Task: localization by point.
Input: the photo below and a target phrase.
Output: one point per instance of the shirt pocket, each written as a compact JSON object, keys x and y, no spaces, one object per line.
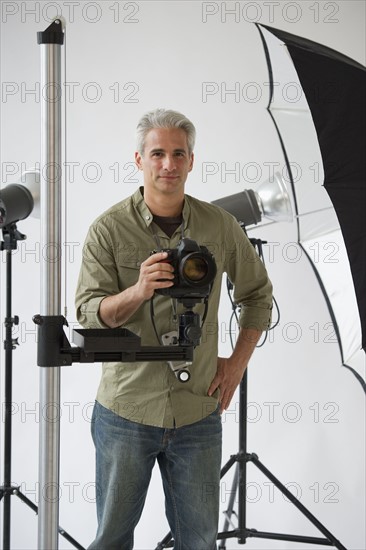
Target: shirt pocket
{"x":128,"y":263}
{"x":128,"y":274}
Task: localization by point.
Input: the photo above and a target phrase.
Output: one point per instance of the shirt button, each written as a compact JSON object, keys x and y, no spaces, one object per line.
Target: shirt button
{"x":147,"y":217}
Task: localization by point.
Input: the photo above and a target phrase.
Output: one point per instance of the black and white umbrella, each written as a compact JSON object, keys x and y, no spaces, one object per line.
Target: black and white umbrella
{"x":318,"y":105}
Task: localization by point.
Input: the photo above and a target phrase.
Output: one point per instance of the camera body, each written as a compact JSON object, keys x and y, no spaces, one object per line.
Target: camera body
{"x":194,"y":270}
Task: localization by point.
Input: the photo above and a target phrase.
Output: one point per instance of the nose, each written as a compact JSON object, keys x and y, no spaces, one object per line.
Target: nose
{"x":169,"y":163}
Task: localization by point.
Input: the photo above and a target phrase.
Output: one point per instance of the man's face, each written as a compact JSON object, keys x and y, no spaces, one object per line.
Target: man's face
{"x":166,"y":161}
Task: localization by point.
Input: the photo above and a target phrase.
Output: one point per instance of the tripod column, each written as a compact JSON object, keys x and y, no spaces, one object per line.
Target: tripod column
{"x":242,"y":465}
{"x":8,"y":344}
{"x":49,"y":441}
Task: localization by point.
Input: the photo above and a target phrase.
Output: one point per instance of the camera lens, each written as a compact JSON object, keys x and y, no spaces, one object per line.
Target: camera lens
{"x":195,"y":268}
{"x":194,"y":271}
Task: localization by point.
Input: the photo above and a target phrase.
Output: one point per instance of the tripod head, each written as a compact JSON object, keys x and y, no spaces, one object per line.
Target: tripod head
{"x":190,"y":330}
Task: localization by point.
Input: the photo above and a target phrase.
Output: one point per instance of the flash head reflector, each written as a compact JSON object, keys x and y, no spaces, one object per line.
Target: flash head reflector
{"x":16,"y":203}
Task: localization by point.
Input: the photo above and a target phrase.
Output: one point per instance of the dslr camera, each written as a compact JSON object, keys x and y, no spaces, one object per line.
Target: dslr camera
{"x":194,"y":270}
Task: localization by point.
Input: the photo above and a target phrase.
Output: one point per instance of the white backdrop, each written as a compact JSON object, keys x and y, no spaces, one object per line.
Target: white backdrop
{"x":306,"y":414}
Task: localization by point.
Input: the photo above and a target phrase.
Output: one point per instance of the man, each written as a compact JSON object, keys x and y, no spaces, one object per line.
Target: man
{"x":143,"y":412}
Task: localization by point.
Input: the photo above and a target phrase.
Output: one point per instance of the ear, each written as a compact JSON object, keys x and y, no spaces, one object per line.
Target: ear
{"x":138,"y":160}
{"x":191,"y":163}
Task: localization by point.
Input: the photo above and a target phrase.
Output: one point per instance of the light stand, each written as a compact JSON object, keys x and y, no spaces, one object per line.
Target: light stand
{"x":241,"y":460}
{"x":239,"y":484}
{"x":10,"y":236}
{"x":270,"y":200}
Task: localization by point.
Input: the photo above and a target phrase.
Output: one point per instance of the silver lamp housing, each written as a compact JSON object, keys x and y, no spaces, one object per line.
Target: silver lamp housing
{"x":270,"y":200}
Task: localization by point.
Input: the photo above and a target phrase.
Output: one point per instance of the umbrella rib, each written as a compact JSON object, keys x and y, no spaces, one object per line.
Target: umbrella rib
{"x":288,"y":110}
{"x":313,"y":212}
{"x":297,"y":216}
{"x":288,"y":166}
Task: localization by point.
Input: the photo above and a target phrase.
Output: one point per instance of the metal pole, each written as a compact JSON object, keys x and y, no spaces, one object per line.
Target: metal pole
{"x":49,"y":431}
{"x":242,"y":464}
{"x":8,"y":403}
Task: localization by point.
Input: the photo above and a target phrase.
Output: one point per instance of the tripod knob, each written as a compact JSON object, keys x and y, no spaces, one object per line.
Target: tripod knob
{"x":10,"y":344}
{"x":189,"y":329}
{"x":10,"y":321}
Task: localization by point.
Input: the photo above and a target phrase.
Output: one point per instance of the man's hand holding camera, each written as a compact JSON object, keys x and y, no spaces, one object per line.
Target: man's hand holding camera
{"x":155,"y":273}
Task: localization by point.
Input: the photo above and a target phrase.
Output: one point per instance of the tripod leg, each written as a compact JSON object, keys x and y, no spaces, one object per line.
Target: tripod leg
{"x":167,"y":542}
{"x":254,"y":458}
{"x":6,"y":522}
{"x":63,"y":533}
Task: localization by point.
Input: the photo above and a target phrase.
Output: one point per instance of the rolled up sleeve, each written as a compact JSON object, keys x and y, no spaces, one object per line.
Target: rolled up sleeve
{"x":252,"y":287}
{"x":97,"y":279}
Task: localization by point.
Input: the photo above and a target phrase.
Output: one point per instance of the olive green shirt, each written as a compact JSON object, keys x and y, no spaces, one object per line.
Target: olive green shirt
{"x":116,"y":245}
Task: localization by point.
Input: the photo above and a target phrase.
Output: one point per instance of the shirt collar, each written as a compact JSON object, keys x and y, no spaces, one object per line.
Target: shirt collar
{"x":146,"y":215}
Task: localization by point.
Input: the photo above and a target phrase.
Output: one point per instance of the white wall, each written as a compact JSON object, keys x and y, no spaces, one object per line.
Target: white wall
{"x":306,"y":416}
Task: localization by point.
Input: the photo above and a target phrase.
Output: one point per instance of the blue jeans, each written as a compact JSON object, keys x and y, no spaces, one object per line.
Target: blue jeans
{"x":189,"y":458}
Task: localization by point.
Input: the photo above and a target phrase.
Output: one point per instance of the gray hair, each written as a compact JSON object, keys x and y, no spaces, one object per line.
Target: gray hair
{"x":163,"y":118}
